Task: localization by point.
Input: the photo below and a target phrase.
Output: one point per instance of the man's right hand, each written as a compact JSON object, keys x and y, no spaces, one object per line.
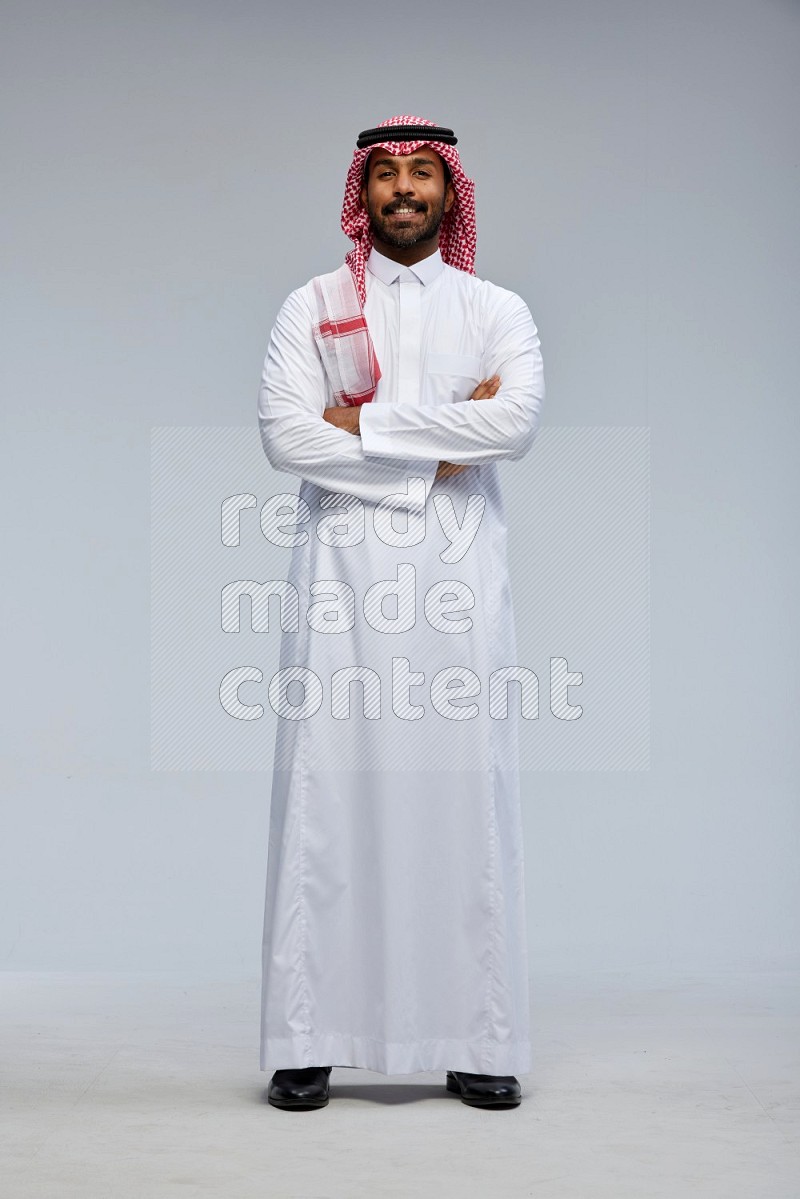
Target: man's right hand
{"x":486,"y":389}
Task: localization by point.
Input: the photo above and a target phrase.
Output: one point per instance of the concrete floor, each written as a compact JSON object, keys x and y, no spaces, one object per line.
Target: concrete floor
{"x":143,"y":1086}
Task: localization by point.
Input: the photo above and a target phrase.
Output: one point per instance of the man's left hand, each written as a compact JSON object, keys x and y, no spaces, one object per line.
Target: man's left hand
{"x":342,"y":417}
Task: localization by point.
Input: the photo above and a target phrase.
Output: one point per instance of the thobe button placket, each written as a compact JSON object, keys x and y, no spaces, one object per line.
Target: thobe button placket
{"x":410,"y":339}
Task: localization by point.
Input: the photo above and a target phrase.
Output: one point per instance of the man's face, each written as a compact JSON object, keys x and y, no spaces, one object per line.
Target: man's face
{"x":406,"y":197}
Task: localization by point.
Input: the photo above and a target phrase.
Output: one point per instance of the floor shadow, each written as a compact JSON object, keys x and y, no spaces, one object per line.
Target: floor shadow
{"x":388,"y":1094}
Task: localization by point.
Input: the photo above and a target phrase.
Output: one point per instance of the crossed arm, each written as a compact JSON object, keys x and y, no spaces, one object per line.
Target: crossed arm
{"x":349,"y":419}
{"x":394,"y":442}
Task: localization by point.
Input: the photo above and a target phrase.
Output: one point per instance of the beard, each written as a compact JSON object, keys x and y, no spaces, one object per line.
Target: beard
{"x":403,"y":236}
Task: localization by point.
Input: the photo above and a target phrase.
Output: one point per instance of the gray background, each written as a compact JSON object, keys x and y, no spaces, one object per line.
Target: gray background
{"x":172,"y":171}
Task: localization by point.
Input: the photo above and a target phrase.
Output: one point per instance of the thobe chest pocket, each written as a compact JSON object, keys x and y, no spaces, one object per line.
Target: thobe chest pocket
{"x":452,"y":376}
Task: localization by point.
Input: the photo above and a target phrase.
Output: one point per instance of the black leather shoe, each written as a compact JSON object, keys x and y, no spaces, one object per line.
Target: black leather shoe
{"x":485,"y":1090}
{"x":302,"y":1089}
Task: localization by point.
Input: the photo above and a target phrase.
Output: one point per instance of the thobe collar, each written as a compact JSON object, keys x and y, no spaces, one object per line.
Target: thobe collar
{"x":388,"y":271}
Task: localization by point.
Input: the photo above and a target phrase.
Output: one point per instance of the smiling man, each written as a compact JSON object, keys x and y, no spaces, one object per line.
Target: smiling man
{"x":394,"y":924}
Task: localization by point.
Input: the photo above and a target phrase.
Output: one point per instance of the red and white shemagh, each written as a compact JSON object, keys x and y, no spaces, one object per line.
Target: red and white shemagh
{"x":341,"y":329}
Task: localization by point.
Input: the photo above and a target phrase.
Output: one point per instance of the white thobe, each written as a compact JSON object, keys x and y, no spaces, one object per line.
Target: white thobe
{"x":394,"y":924}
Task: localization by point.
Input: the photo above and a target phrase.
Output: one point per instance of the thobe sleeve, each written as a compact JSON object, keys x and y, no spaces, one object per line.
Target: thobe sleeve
{"x":470,"y":432}
{"x":294,"y":435}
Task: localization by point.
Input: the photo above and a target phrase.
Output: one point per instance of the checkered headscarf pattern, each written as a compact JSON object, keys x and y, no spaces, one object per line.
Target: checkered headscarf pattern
{"x":457,"y":234}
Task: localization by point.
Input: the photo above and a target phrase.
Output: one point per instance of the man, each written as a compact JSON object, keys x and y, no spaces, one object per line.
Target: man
{"x":394,"y":930}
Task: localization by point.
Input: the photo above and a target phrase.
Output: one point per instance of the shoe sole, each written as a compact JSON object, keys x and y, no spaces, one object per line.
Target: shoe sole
{"x":301,"y":1105}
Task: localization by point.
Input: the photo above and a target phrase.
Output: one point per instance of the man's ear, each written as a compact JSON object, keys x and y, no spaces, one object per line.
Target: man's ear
{"x":449,"y":197}
{"x":363,"y":195}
